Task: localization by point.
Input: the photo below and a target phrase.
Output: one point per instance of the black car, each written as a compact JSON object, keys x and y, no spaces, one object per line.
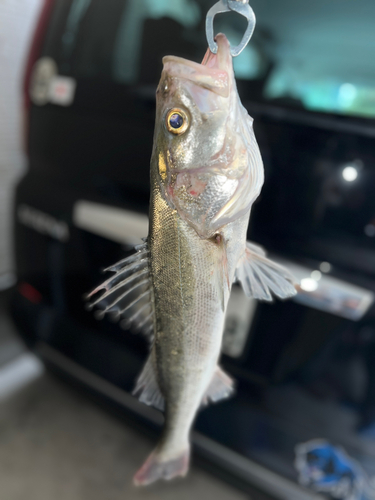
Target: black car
{"x":307,"y":79}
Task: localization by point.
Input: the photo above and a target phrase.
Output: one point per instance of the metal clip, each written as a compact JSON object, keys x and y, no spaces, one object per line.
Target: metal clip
{"x":243,"y":8}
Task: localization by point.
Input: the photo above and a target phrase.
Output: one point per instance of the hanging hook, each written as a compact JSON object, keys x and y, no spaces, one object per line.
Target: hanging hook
{"x":243,"y":8}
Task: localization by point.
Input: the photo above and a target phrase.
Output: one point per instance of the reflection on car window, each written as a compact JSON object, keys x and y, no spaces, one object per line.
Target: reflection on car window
{"x":128,"y":45}
{"x":76,"y":13}
{"x":322,"y":53}
{"x":313,"y":55}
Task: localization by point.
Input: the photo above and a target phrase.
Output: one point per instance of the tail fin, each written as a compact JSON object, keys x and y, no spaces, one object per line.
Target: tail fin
{"x":155,"y":468}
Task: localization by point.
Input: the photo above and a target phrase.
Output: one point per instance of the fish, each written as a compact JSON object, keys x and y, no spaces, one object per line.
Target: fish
{"x":206,"y":172}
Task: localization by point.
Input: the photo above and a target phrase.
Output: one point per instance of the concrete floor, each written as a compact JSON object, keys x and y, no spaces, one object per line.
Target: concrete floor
{"x":55,"y":444}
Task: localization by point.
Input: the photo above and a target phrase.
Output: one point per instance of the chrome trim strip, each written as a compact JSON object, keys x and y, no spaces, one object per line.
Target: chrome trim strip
{"x":116,"y":224}
{"x":245,"y":469}
{"x":326,"y":293}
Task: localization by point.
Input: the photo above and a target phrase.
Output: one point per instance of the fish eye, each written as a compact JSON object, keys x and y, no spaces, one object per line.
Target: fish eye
{"x":177,"y":121}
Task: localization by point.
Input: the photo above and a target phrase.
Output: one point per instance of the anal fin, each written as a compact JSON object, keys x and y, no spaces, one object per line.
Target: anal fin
{"x":221,"y":387}
{"x":147,"y":388}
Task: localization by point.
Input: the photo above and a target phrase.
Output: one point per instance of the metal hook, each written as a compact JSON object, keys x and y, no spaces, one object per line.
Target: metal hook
{"x":243,"y":8}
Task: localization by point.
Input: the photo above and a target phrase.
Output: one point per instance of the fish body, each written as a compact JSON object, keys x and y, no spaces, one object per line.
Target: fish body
{"x":190,"y":297}
{"x":206,"y":172}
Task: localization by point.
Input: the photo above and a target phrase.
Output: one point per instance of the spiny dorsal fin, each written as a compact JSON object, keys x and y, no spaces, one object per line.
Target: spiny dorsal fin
{"x":221,"y":387}
{"x":147,"y":387}
{"x":127,"y":294}
{"x":260,"y":276}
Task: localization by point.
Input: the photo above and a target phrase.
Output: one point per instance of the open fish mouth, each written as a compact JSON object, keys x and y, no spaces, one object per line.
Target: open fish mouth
{"x":214,"y":72}
{"x":221,"y":60}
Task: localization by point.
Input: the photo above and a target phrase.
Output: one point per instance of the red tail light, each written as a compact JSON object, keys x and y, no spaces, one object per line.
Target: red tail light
{"x":30,"y":293}
{"x":35,"y":48}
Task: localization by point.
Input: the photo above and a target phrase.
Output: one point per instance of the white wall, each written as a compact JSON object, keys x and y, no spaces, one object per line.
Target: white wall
{"x":17,"y":21}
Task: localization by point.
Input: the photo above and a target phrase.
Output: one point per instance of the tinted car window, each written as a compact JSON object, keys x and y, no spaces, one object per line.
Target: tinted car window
{"x":315,"y":55}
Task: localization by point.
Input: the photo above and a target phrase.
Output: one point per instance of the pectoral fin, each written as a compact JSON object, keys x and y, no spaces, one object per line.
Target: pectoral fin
{"x":260,"y":276}
{"x":127,"y":294}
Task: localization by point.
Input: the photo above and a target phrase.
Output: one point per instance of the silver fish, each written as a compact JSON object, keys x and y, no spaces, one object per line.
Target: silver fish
{"x":206,"y":172}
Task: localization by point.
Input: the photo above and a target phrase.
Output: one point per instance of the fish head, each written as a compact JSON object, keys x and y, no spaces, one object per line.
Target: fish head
{"x":208,"y":162}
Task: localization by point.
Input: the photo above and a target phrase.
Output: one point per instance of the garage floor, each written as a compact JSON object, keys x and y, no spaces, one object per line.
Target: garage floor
{"x":55,"y":444}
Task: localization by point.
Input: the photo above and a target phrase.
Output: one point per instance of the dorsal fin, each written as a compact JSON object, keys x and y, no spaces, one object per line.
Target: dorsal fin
{"x":128,"y":293}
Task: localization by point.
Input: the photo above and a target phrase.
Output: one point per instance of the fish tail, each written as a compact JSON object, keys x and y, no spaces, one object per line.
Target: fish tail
{"x":156,"y":468}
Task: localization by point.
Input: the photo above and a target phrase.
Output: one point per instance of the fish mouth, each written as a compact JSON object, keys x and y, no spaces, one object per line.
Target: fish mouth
{"x":214,"y":73}
{"x":222,"y":60}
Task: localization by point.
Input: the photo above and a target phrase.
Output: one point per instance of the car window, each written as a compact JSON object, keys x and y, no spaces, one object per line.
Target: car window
{"x":312,"y":55}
